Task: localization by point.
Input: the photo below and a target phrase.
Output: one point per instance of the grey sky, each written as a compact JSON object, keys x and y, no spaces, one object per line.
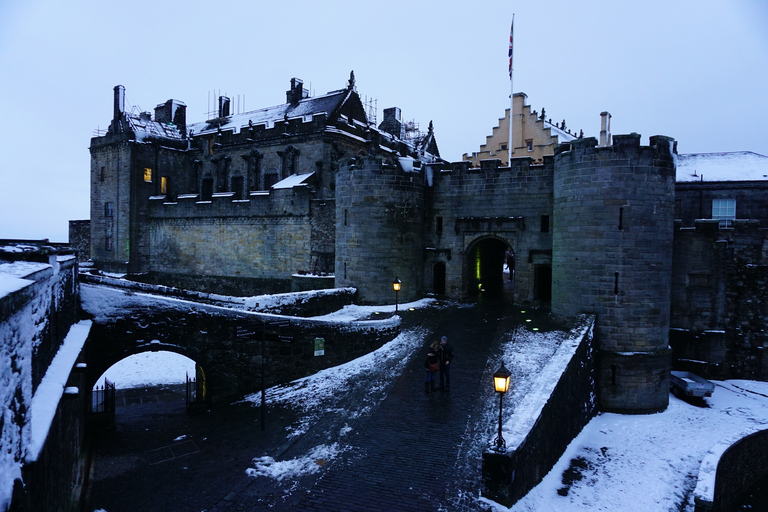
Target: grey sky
{"x":693,"y":70}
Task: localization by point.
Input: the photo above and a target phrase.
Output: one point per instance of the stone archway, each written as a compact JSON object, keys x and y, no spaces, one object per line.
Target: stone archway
{"x":484,"y":262}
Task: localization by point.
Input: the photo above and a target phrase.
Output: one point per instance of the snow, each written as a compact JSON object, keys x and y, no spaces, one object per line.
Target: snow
{"x":534,"y":398}
{"x":621,"y":462}
{"x":10,"y":284}
{"x":737,"y":166}
{"x":293,"y":180}
{"x":149,"y":369}
{"x":651,"y":462}
{"x":48,"y":394}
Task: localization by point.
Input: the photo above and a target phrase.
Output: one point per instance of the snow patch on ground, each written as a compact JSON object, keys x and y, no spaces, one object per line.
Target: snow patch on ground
{"x":280,"y":470}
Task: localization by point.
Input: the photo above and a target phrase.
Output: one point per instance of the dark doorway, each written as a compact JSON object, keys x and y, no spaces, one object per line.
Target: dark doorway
{"x":438,"y":278}
{"x":486,"y":266}
{"x":542,"y":282}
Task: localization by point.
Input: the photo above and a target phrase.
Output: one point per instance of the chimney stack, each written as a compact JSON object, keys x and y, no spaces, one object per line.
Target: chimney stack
{"x":119,"y":103}
{"x":605,"y":129}
{"x":223,"y":106}
{"x":296,"y":93}
{"x":392,"y":123}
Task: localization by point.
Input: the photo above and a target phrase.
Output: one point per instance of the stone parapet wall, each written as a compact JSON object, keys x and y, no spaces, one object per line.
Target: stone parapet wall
{"x":729,"y":471}
{"x":228,"y":345}
{"x":509,"y":476}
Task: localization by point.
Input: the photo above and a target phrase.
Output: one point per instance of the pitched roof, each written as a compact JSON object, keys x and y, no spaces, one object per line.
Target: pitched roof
{"x":736,"y":166}
{"x":307,"y":107}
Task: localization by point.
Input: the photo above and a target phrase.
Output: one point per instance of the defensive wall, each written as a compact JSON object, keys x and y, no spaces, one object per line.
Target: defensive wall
{"x":468,"y":205}
{"x":720,"y":281}
{"x":729,"y":470}
{"x":42,"y":429}
{"x":262,"y":237}
{"x":545,"y":423}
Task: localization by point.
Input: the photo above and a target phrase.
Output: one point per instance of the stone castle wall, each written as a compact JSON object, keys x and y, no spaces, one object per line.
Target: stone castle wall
{"x":506,"y":203}
{"x":612,"y":255}
{"x":379,"y":229}
{"x":720,"y":281}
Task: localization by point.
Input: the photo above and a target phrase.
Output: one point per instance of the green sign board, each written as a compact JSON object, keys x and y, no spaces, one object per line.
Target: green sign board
{"x":319,"y":346}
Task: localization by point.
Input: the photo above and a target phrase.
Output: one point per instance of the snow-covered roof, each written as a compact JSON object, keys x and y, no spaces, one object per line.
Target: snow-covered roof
{"x":294,"y":180}
{"x":562,"y":135}
{"x":737,"y":166}
{"x":143,"y":126}
{"x":306,"y":108}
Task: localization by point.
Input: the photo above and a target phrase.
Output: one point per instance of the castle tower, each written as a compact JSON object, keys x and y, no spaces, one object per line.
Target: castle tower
{"x":379,"y":228}
{"x":613,"y":223}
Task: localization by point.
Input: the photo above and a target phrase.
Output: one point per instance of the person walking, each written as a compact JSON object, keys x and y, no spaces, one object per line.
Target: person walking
{"x":445,"y":356}
{"x":432,"y":366}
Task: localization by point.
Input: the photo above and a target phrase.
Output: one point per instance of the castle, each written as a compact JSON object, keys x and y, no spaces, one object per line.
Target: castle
{"x":255,"y":202}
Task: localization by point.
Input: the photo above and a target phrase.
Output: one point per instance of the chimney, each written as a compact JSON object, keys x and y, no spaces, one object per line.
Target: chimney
{"x":296,"y":93}
{"x":605,"y":129}
{"x":119,"y":102}
{"x":172,"y":111}
{"x":223,"y":106}
{"x":392,"y":123}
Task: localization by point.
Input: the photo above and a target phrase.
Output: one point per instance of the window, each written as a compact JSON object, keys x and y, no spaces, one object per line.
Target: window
{"x":529,"y":144}
{"x":164,"y":185}
{"x":108,"y":245}
{"x":103,"y":174}
{"x":724,"y":210}
{"x":439,"y":225}
{"x":109,"y":209}
{"x":269,"y":180}
{"x":147,"y":175}
{"x":545,"y":224}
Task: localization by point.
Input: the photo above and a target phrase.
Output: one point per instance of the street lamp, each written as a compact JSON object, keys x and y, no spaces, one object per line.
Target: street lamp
{"x":501,"y":385}
{"x":396,"y":285}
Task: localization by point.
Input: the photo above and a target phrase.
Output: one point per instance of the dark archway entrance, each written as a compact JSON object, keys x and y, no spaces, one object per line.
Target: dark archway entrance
{"x":485,"y":266}
{"x":438,"y":278}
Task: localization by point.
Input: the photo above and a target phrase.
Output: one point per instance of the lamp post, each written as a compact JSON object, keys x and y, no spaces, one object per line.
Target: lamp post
{"x":396,"y":285}
{"x":501,"y":385}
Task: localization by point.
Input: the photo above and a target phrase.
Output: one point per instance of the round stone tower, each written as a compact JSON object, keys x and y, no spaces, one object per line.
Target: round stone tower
{"x":379,"y":229}
{"x":613,"y":223}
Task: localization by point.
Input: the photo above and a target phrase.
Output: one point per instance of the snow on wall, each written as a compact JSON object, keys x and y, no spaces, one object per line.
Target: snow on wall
{"x":28,"y":293}
{"x":18,"y":334}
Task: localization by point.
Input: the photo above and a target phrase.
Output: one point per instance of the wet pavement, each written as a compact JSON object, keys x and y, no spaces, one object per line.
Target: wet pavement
{"x":413,"y":451}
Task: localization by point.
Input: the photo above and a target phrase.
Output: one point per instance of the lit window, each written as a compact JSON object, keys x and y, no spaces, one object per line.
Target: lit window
{"x":724,"y":210}
{"x":147,"y":175}
{"x":164,"y":185}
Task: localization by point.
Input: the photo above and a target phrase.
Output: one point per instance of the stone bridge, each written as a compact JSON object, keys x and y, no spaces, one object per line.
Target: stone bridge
{"x":224,"y":342}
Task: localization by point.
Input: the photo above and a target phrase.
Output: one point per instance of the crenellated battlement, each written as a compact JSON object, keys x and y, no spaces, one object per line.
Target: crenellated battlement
{"x":293,"y":201}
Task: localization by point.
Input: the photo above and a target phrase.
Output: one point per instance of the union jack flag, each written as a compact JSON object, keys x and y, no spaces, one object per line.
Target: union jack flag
{"x":511,"y":33}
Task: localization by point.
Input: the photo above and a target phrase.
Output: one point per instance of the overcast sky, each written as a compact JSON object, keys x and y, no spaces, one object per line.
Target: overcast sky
{"x":694,"y":70}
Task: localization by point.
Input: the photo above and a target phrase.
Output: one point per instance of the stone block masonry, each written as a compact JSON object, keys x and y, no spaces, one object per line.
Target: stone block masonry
{"x":612,"y":255}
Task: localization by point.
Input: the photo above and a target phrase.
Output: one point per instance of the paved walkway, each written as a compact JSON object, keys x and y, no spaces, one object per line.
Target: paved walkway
{"x":413,"y":452}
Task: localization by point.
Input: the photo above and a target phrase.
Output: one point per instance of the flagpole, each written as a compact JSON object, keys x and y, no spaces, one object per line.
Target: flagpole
{"x":511,"y":91}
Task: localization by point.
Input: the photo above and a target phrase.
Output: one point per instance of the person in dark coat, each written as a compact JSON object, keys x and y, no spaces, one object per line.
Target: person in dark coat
{"x":445,"y":355}
{"x":432,"y":365}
